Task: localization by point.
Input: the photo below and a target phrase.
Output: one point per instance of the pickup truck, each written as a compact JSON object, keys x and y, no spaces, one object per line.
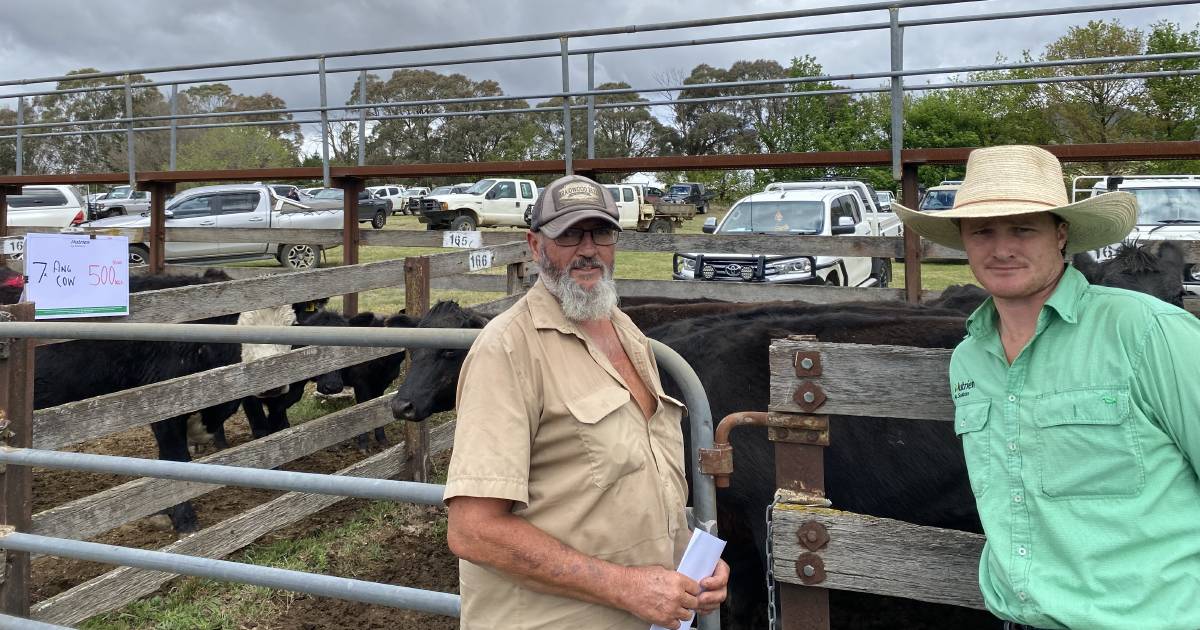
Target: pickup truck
{"x":792,"y":213}
{"x":689,"y":192}
{"x":121,"y":200}
{"x":1168,"y":210}
{"x":373,"y":210}
{"x":393,"y":193}
{"x":488,"y":202}
{"x":233,"y":206}
{"x":417,"y":203}
{"x":638,"y":214}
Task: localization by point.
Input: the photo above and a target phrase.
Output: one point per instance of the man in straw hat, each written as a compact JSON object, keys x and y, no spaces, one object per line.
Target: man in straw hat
{"x":566,"y":490}
{"x":1077,"y":408}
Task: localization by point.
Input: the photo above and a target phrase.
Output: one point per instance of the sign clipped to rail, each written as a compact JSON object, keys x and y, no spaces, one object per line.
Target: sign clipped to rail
{"x":480,"y":259}
{"x":76,"y":275}
{"x":14,"y":246}
{"x":464,"y":240}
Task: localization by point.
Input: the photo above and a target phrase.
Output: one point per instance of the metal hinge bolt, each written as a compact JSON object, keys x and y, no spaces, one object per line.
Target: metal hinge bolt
{"x":809,"y":571}
{"x":809,"y":397}
{"x":806,"y":363}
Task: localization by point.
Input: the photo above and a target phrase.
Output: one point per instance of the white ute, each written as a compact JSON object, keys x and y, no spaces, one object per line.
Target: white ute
{"x":787,"y":211}
{"x":489,"y":202}
{"x":1168,"y":210}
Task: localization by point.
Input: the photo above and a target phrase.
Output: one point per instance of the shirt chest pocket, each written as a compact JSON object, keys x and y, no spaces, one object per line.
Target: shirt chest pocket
{"x":970,"y":420}
{"x":608,"y":435}
{"x":1087,"y":444}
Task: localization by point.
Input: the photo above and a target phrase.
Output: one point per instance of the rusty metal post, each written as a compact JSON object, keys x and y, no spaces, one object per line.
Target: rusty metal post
{"x":351,"y":238}
{"x":5,"y":191}
{"x":16,"y":429}
{"x":159,"y":191}
{"x":800,"y":442}
{"x":416,"y":304}
{"x":912,"y":240}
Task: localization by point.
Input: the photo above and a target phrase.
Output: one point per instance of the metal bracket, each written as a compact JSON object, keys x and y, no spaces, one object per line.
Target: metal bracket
{"x":809,"y":396}
{"x":807,"y":363}
{"x":717,"y":460}
{"x":816,"y":437}
{"x":5,"y":316}
{"x":810,"y":568}
{"x":813,"y":535}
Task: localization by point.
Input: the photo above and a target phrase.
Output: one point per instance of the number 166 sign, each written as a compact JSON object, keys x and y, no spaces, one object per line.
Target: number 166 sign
{"x":75,"y":275}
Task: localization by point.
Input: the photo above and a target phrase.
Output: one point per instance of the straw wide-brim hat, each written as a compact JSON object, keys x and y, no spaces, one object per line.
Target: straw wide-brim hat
{"x":1013,"y":180}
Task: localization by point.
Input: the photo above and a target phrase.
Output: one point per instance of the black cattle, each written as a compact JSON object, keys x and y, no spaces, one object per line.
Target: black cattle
{"x":266,"y":415}
{"x":372,"y":378}
{"x":76,"y":370}
{"x":433,"y":373}
{"x":1153,"y":269}
{"x":12,"y":283}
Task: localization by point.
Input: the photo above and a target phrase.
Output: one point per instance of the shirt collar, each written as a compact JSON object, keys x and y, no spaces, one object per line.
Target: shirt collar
{"x":547,"y":312}
{"x":1064,"y":301}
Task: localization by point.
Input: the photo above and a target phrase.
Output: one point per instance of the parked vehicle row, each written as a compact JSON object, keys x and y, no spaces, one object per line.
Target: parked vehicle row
{"x":797,"y":209}
{"x":373,"y":210}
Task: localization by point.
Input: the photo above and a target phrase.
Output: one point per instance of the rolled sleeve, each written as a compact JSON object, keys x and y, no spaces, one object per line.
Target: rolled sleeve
{"x":1167,"y":380}
{"x":498,"y":410}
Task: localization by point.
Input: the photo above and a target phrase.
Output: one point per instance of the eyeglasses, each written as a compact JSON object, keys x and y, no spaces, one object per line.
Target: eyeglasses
{"x":571,"y":237}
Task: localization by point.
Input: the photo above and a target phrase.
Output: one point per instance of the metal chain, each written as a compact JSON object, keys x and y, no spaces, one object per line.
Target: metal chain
{"x":771,"y":567}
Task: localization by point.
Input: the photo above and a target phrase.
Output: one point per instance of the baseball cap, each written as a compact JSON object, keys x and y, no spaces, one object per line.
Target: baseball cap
{"x":569,"y":200}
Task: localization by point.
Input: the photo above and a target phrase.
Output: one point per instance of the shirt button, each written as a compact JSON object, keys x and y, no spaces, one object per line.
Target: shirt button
{"x":1021,"y":551}
{"x":1012,"y":446}
{"x":1022,"y":595}
{"x":1017,"y":499}
{"x":1012,"y":398}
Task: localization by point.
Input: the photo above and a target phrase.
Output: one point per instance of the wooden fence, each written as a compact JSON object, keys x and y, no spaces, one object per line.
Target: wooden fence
{"x":254,"y":288}
{"x":851,"y":551}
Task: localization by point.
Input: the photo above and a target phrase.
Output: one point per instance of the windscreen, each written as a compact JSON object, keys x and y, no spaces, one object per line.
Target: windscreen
{"x":481,"y":187}
{"x":329,"y":193}
{"x":1161,"y":206}
{"x":938,"y":200}
{"x":680,"y":189}
{"x":797,"y":217}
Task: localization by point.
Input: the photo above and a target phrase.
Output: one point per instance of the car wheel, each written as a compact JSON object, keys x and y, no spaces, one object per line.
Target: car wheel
{"x":660,"y":226}
{"x":139,"y":255}
{"x":300,"y":256}
{"x":463,"y":223}
{"x":379,"y":220}
{"x":883,"y":273}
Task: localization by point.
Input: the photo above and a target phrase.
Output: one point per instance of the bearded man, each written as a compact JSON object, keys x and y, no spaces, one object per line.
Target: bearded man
{"x":566,"y":486}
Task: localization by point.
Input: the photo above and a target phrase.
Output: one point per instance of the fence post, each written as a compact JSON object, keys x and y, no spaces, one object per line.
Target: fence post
{"x":174,"y":125}
{"x":800,"y":442}
{"x":16,"y":423}
{"x":324,"y":125}
{"x":591,"y":107}
{"x":129,"y":148}
{"x":516,"y":278}
{"x":897,"y":54}
{"x":362,"y":118}
{"x":912,"y":240}
{"x":20,"y":138}
{"x":351,"y":238}
{"x":568,"y":149}
{"x":416,"y":304}
{"x":5,"y":191}
{"x":159,"y":191}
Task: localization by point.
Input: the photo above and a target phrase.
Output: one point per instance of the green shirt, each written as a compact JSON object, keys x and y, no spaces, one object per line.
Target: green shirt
{"x":1084,"y":457}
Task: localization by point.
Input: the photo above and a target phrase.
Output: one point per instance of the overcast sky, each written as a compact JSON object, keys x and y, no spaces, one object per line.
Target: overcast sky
{"x":45,"y":38}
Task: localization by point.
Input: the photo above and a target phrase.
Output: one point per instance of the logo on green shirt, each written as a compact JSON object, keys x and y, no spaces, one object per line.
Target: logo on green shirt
{"x":962,"y":389}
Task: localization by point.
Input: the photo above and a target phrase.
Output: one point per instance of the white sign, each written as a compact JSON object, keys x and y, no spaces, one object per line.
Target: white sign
{"x":480,"y":259}
{"x":14,"y":245}
{"x":465,"y":240}
{"x":77,"y":276}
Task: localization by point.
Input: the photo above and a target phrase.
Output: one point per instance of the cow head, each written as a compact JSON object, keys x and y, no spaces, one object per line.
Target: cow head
{"x":1157,"y":272}
{"x":432,"y":377}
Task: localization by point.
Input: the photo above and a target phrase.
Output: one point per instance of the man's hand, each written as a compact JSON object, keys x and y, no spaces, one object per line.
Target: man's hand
{"x":714,"y":589}
{"x":660,"y":596}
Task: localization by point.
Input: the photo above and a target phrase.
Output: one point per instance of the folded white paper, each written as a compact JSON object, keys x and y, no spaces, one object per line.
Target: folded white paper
{"x":698,"y":562}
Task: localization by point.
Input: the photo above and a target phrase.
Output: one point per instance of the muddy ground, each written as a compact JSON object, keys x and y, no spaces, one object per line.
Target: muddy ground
{"x":420,"y":561}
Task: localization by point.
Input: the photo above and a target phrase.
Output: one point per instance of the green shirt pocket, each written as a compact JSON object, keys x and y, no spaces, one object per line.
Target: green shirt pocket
{"x":969,"y":423}
{"x":1087,"y":444}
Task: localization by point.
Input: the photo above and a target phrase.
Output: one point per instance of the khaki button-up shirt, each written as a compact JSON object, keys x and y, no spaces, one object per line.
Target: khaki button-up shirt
{"x":544,"y":420}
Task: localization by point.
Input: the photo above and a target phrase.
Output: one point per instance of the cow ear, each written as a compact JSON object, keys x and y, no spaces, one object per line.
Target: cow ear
{"x":1170,"y":255}
{"x":1087,"y":265}
{"x":400,"y":320}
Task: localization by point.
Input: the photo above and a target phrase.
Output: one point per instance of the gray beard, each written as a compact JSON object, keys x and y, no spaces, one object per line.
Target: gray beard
{"x":579,"y":304}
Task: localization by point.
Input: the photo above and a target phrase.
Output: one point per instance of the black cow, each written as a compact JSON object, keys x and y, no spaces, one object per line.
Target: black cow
{"x":372,"y":378}
{"x":70,"y":371}
{"x":266,"y":415}
{"x":1157,"y":270}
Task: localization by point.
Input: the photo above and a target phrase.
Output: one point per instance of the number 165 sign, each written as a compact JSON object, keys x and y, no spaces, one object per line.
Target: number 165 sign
{"x":76,"y":275}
